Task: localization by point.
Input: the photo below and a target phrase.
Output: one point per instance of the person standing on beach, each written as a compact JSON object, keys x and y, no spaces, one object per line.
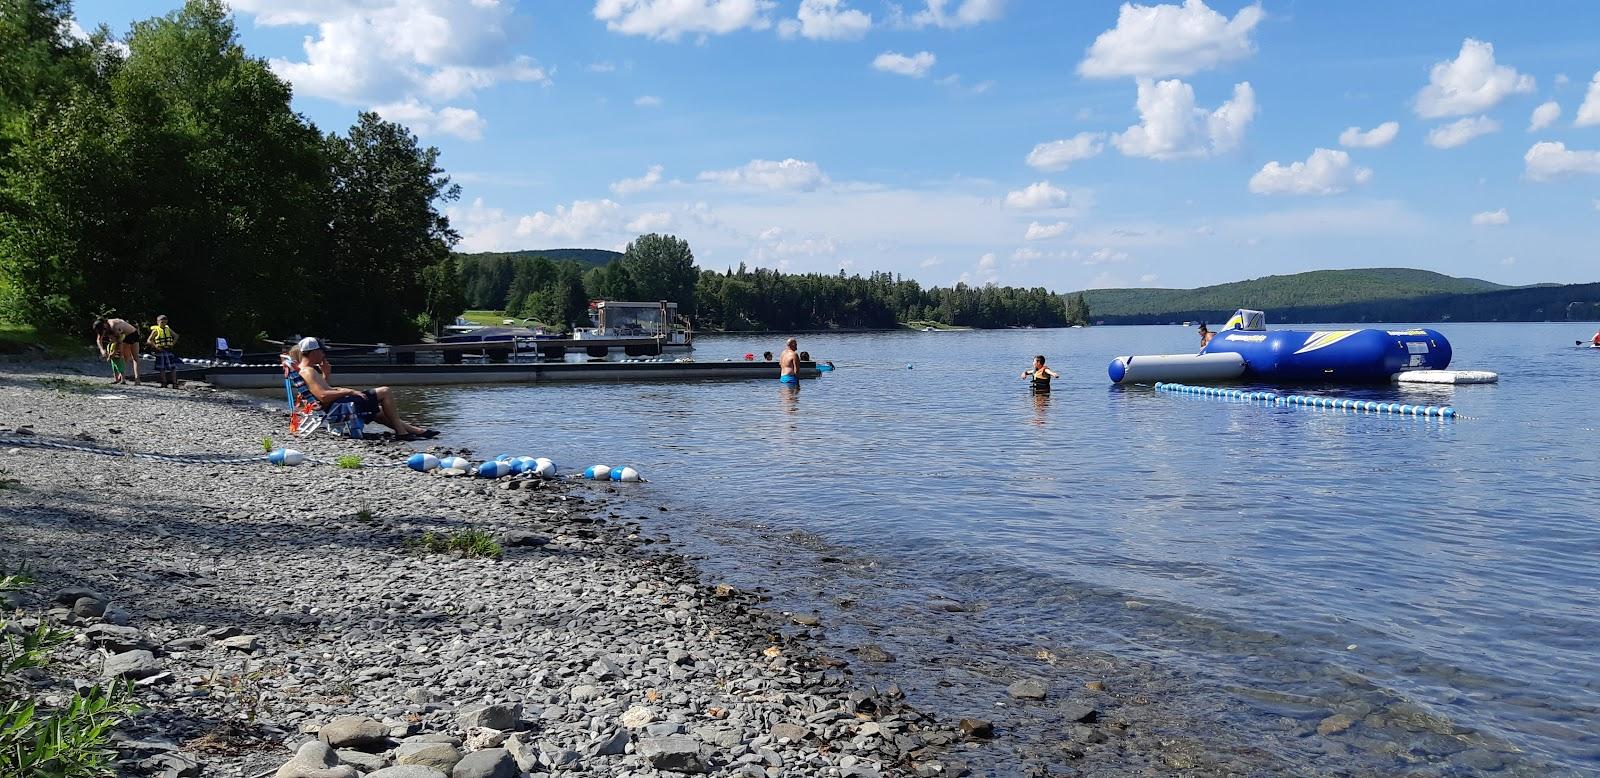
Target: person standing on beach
{"x":789,"y":363}
{"x":121,"y":340}
{"x":162,"y":339}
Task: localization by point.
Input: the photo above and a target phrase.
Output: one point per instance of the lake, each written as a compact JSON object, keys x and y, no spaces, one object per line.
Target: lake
{"x":1252,"y":570}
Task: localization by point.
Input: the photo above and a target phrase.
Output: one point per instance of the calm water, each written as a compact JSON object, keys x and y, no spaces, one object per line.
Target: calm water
{"x":1286,"y":560}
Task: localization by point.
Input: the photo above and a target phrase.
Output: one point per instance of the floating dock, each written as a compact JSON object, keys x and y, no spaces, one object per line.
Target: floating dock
{"x":358,"y":375}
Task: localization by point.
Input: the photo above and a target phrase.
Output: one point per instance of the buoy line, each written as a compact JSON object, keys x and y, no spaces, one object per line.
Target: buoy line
{"x":1306,"y":401}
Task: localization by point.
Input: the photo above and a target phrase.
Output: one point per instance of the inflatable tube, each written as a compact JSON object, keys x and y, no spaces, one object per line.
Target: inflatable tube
{"x":1447,"y":377}
{"x":1343,"y":356}
{"x":1176,"y":367}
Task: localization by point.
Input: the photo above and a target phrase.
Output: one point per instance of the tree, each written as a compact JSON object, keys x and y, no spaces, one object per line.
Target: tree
{"x":661,"y":267}
{"x":444,"y":298}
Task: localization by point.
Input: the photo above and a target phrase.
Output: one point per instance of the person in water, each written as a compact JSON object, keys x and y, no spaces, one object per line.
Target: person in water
{"x":1597,"y":339}
{"x":1205,"y":336}
{"x":789,"y":363}
{"x":1040,"y":375}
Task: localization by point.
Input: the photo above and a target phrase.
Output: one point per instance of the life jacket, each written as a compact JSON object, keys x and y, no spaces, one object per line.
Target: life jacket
{"x":163,"y":337}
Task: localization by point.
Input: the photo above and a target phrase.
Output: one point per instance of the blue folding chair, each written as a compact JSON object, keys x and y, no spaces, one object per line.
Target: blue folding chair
{"x":306,"y":414}
{"x":225,"y":354}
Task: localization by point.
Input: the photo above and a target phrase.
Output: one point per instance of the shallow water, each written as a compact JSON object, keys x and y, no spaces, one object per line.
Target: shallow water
{"x":1290,"y":560}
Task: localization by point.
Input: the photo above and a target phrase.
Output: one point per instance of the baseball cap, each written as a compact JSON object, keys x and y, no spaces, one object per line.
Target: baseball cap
{"x":309,"y":344}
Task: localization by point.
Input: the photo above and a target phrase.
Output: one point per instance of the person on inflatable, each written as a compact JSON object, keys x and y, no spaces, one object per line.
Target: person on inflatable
{"x":1205,"y":337}
{"x":1040,"y":375}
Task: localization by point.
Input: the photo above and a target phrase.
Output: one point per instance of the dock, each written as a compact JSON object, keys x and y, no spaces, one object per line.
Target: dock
{"x":366,"y":375}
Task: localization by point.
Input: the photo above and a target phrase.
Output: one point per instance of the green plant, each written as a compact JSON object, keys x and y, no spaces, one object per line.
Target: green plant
{"x":348,"y":462}
{"x":16,"y":580}
{"x":266,"y":444}
{"x":364,"y":516}
{"x":470,"y":543}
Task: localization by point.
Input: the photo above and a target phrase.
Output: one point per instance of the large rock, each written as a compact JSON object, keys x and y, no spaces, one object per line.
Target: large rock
{"x":362,"y":760}
{"x":315,"y":760}
{"x":246,"y":643}
{"x":1027,"y":689}
{"x":675,"y":753}
{"x":89,"y":607}
{"x":523,"y":749}
{"x":116,"y":639}
{"x":358,"y":732}
{"x":503,"y":716}
{"x":794,"y":733}
{"x":613,"y":744}
{"x":134,"y":664}
{"x":439,"y":756}
{"x":408,"y":771}
{"x":488,"y":763}
{"x":71,"y":595}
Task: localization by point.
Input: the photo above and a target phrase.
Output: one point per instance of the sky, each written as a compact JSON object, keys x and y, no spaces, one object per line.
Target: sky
{"x":1022,"y":142}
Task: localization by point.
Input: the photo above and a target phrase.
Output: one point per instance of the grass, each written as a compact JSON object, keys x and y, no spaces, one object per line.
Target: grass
{"x":485,"y":317}
{"x":266,"y":445}
{"x":24,"y":339}
{"x":365,"y":516}
{"x":348,"y":462}
{"x":74,"y":385}
{"x":469,"y":543}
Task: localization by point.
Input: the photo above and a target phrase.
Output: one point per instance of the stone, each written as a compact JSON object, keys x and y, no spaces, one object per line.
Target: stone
{"x":134,"y":664}
{"x":521,"y":539}
{"x":637,"y":716}
{"x":614,"y":744}
{"x":806,"y":619}
{"x":72,"y":594}
{"x":524,"y":751}
{"x":502,"y":716}
{"x":679,"y":656}
{"x":172,"y":765}
{"x":1027,"y":689}
{"x":245,"y":643}
{"x":978,"y":728}
{"x":89,"y":607}
{"x":1079,"y":713}
{"x":675,"y":753}
{"x":872,"y":653}
{"x":479,"y":738}
{"x":223,"y":633}
{"x":585,"y":693}
{"x":315,"y":760}
{"x":605,"y":670}
{"x":794,"y":733}
{"x":1335,"y":724}
{"x":488,"y":763}
{"x":408,"y":771}
{"x":355,"y":732}
{"x":116,"y":639}
{"x":439,"y":756}
{"x":362,"y":760}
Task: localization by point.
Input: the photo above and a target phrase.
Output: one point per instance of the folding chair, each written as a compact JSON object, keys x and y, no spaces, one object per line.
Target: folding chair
{"x":225,"y":354}
{"x":306,"y":414}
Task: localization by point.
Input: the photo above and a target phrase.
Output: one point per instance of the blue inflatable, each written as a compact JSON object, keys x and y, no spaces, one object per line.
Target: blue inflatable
{"x":1245,"y":349}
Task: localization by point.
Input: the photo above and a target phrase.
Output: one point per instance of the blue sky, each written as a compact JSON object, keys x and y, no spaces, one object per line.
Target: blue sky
{"x":1025,"y":142}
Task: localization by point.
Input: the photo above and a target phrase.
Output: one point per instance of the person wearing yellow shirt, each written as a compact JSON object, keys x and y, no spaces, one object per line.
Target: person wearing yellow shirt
{"x":162,"y":340}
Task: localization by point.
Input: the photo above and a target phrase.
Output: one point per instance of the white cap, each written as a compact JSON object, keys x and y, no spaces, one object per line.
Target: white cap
{"x":308,"y":344}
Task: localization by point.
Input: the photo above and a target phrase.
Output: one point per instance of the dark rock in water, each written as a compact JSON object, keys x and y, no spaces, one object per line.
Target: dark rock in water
{"x":872,"y":653}
{"x":1085,"y":714}
{"x":357,"y":732}
{"x":502,"y":716}
{"x":1478,"y":759}
{"x":1335,"y":724}
{"x":979,"y":728}
{"x":805,"y":619}
{"x":1027,"y":689}
{"x":674,"y":753}
{"x":132,"y":664}
{"x":488,"y":763}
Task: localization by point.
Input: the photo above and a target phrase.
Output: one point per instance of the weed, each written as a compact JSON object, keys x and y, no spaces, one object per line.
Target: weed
{"x":470,"y":543}
{"x":348,"y":462}
{"x":364,"y":516}
{"x":74,"y":385}
{"x":16,"y":580}
{"x":266,"y":445}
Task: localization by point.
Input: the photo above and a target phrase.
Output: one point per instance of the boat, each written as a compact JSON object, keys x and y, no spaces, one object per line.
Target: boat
{"x":1245,"y":349}
{"x":618,"y":330}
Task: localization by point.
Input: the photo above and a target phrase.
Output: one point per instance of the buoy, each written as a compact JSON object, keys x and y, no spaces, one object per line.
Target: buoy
{"x":543,"y":468}
{"x":286,"y":456}
{"x":598,"y":473}
{"x":908,"y":366}
{"x":493,"y":469}
{"x":422,"y":463}
{"x":627,"y":474}
{"x":454,"y":463}
{"x":503,"y":458}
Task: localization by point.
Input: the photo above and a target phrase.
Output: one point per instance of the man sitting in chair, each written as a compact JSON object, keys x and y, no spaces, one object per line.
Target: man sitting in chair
{"x":372,"y":404}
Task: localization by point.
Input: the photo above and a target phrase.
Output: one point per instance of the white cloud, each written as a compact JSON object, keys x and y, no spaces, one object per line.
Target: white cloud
{"x":1546,"y":160}
{"x":1375,"y":138}
{"x":1545,"y":115}
{"x":1509,"y":261}
{"x":953,"y":82}
{"x":1149,"y":278}
{"x":1036,"y":196}
{"x":915,"y":66}
{"x":1470,"y":83}
{"x":1057,"y":154}
{"x":397,"y":52}
{"x":1491,"y":218}
{"x":647,"y":101}
{"x":1037,"y":231}
{"x":1325,"y":172}
{"x":1589,"y":111}
{"x":936,"y":13}
{"x":629,"y":186}
{"x":461,"y":122}
{"x":601,"y":67}
{"x":988,"y":268}
{"x":670,"y":19}
{"x":584,"y":218}
{"x":826,"y":20}
{"x":1104,"y":256}
{"x":1150,"y":41}
{"x":930,"y":262}
{"x":491,"y":229}
{"x":1461,"y":131}
{"x":650,"y":222}
{"x":792,"y":174}
{"x":1170,"y":126}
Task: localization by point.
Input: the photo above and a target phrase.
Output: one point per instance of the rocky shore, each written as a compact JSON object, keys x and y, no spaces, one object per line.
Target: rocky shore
{"x":286,"y":621}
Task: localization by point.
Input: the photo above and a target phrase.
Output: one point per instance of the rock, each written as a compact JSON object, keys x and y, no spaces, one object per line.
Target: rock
{"x":585,"y":693}
{"x":89,"y":607}
{"x":1079,"y":713}
{"x":860,"y":771}
{"x":363,"y":761}
{"x":805,"y":619}
{"x":223,"y":633}
{"x":1335,"y":724}
{"x":315,"y":760}
{"x":872,"y":653}
{"x":679,"y":656}
{"x":116,"y":639}
{"x":245,"y":643}
{"x":614,"y":744}
{"x":794,"y":733}
{"x":72,"y":594}
{"x":674,"y":753}
{"x":488,"y":763}
{"x":1027,"y":689}
{"x":637,"y":716}
{"x":978,"y":728}
{"x":171,"y":765}
{"x":408,"y":771}
{"x":520,"y":539}
{"x":524,"y":751}
{"x":439,"y":756}
{"x":357,"y":732}
{"x":605,"y":670}
{"x":502,"y":716}
{"x":479,"y":738}
{"x":134,"y":664}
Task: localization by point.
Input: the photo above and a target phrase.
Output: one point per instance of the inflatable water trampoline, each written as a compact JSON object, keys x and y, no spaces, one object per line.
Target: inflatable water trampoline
{"x":1244,"y":349}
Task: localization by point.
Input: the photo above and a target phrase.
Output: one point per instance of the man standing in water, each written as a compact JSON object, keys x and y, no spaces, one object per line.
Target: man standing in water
{"x":789,"y":363}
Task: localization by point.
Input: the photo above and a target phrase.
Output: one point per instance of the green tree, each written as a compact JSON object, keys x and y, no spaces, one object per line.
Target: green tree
{"x":661,"y":267}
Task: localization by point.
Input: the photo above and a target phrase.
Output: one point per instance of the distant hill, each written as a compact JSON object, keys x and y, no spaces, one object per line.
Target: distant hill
{"x":585,"y":257}
{"x":1270,"y":293}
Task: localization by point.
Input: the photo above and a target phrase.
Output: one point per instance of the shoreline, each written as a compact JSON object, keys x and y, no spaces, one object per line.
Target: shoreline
{"x":273,"y":600}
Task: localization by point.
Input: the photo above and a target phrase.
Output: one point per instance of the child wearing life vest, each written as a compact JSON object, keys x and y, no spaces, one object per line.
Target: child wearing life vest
{"x":161,"y":341}
{"x":1040,"y":375}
